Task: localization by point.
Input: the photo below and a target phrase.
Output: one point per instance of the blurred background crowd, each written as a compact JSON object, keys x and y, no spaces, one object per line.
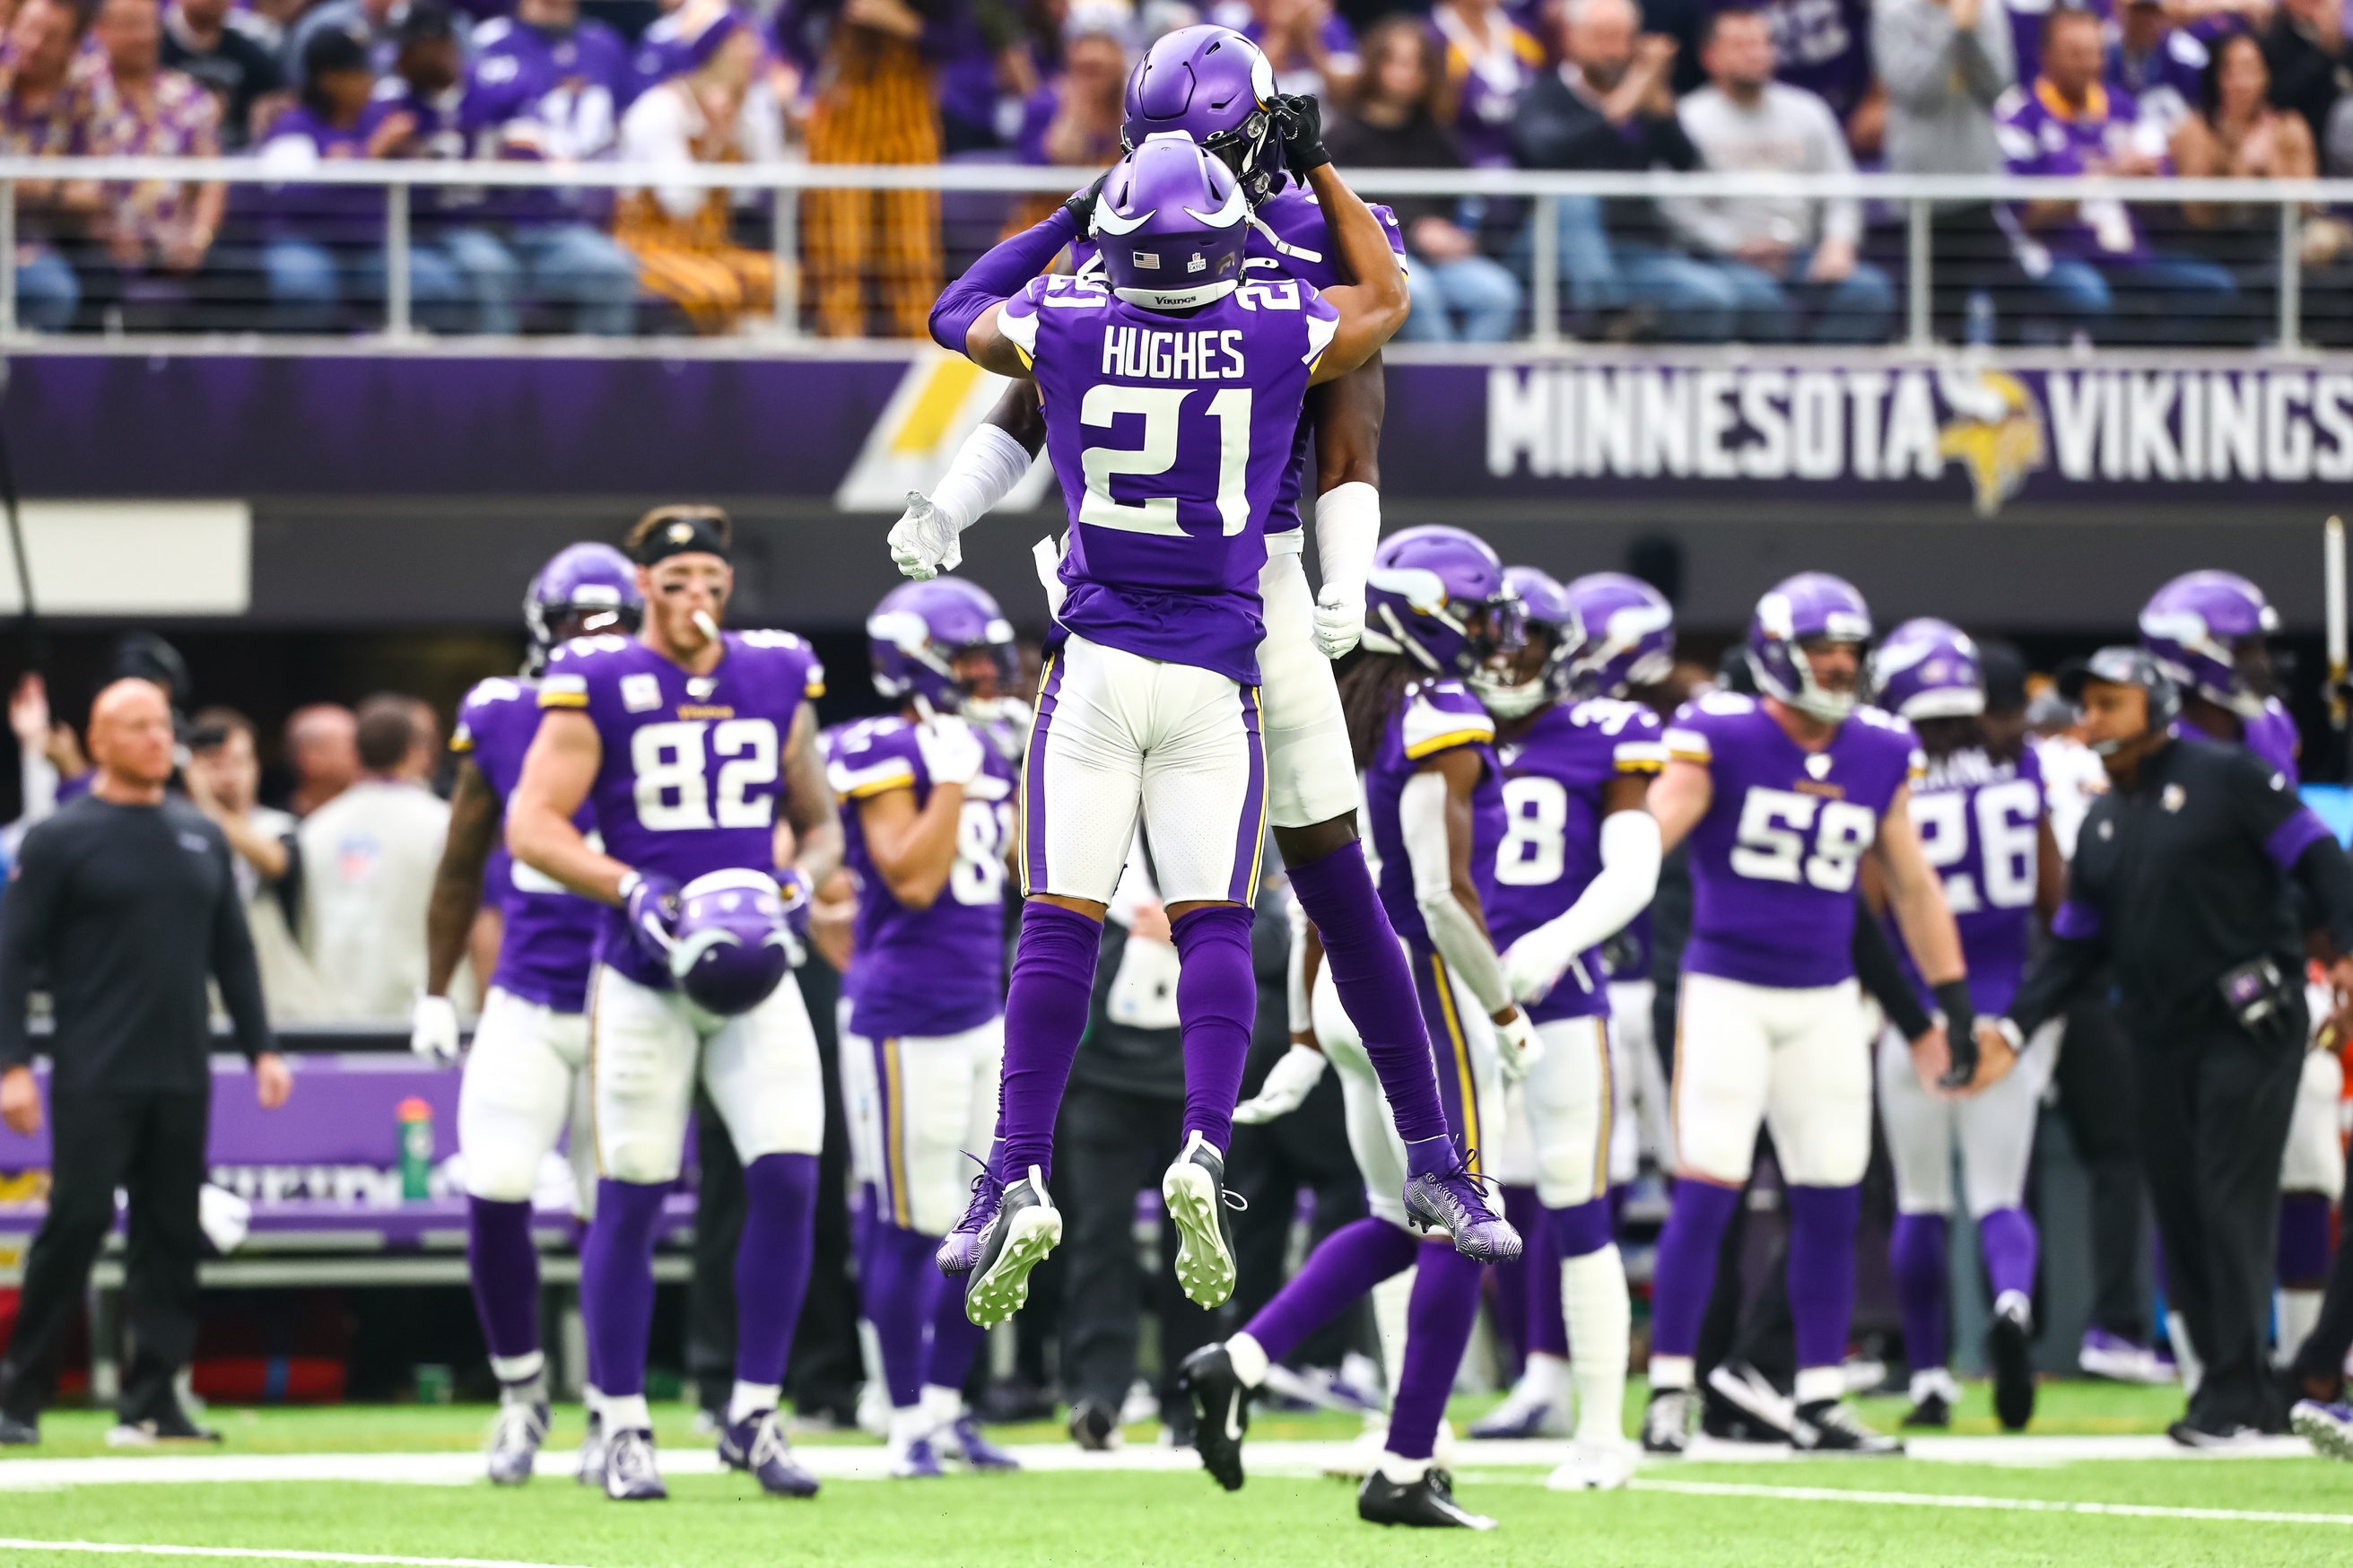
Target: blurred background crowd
{"x":2239,"y":90}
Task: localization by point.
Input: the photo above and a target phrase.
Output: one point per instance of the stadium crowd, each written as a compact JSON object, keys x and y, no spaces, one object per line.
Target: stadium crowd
{"x":2231,"y":89}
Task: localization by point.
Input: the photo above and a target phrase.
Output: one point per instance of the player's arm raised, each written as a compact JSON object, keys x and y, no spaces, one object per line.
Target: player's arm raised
{"x":557,"y":774}
{"x":1374,"y":306}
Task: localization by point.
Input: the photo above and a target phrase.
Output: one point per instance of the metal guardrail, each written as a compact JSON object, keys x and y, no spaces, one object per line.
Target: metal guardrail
{"x":1916,"y":195}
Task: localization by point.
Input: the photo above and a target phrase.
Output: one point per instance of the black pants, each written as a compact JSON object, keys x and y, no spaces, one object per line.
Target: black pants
{"x":1268,"y":1167}
{"x":2214,"y":1109}
{"x":1113,"y":1146}
{"x":153,"y":1146}
{"x":2094,"y":1078}
{"x":719,"y":1202}
{"x":2320,"y":1364}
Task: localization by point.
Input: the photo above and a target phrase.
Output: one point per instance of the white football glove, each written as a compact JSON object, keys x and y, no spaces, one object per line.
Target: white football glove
{"x":1339,"y":619}
{"x":1518,"y":1047}
{"x":952,"y":749}
{"x":923,"y":543}
{"x":1533,"y":966}
{"x":1287,"y":1086}
{"x":433,"y":1029}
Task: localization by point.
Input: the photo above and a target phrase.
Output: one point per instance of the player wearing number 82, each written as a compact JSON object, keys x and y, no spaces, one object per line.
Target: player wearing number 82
{"x":1781,"y":796}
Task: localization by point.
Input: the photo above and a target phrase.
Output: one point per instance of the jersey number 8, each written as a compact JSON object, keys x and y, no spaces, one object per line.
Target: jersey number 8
{"x":1775,"y":825}
{"x":674,"y":792}
{"x":982,"y":831}
{"x":1535,"y":813}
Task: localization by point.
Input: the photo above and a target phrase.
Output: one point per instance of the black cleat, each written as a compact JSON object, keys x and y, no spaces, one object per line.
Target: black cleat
{"x":16,"y":1432}
{"x":1827,"y":1426}
{"x":1755,"y":1410}
{"x":1026,"y":1227}
{"x":1094,"y":1425}
{"x":1931,"y":1412}
{"x":1220,"y":1412}
{"x":2009,"y":1351}
{"x":1195,"y":1193}
{"x":1426,"y":1504}
{"x":1667,"y":1423}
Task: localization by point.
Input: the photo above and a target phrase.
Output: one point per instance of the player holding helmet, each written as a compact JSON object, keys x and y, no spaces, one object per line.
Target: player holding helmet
{"x":929,"y":824}
{"x":692,"y":746}
{"x":1781,"y":796}
{"x":525,"y":1079}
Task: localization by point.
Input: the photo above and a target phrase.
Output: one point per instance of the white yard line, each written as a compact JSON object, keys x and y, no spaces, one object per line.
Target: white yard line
{"x":116,"y":1548}
{"x":1995,"y":1504}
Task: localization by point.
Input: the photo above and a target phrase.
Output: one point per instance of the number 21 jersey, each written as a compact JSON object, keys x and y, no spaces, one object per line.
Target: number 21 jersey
{"x":693,"y":765}
{"x":1773,"y":862}
{"x":1171,"y":436}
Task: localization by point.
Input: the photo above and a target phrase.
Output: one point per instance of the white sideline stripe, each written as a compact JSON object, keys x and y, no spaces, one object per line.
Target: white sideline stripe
{"x":114,"y":1548}
{"x":1996,"y":1504}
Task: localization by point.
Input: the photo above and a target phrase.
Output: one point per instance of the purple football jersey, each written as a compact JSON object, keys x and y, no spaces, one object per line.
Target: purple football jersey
{"x":1773,"y":862}
{"x":543,"y":955}
{"x":931,"y":971}
{"x":1980,"y":823}
{"x":693,"y":765}
{"x":556,"y":97}
{"x":1435,"y":716}
{"x":2271,"y":735}
{"x":1288,"y":236}
{"x":1822,"y":45}
{"x":1553,"y":779}
{"x":1172,"y":435}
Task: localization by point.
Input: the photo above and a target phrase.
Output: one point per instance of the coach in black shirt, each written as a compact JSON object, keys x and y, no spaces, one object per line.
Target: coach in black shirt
{"x":122,"y":905}
{"x":2184,"y":880}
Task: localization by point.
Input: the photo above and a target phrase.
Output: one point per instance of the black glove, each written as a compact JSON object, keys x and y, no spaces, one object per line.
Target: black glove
{"x":1960,"y":1033}
{"x":1081,"y":204}
{"x":1299,"y":119}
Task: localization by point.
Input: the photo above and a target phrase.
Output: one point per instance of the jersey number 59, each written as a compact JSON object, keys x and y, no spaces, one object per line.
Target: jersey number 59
{"x":1785,"y":837}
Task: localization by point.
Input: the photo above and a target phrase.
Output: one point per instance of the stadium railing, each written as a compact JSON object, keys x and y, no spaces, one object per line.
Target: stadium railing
{"x":1932,"y":292}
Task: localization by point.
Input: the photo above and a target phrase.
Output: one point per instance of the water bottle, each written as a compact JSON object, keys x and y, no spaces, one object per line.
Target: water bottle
{"x":416,"y":1148}
{"x":1979,"y":333}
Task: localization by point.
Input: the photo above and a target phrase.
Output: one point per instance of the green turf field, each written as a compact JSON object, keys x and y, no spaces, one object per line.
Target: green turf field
{"x":1113,"y":1516}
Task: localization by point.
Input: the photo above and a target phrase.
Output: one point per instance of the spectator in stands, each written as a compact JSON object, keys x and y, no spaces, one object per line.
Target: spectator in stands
{"x":426,"y":86}
{"x":2310,"y":61}
{"x":1397,"y":122}
{"x":680,"y":233}
{"x":224,"y":779}
{"x":1074,"y":119}
{"x":158,"y":233}
{"x":1823,"y":47}
{"x":51,"y":766}
{"x":374,"y":23}
{"x":47,"y":109}
{"x":1945,"y":64}
{"x":1787,"y":260}
{"x":2093,"y":266}
{"x":322,"y":752}
{"x":242,"y":71}
{"x":546,"y":86}
{"x":325,"y":245}
{"x":1490,"y":61}
{"x":1608,"y":106}
{"x":1311,"y":47}
{"x":368,"y":859}
{"x":2156,"y":62}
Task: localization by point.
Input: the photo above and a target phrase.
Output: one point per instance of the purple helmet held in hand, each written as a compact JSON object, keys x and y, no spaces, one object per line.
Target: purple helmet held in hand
{"x":920,"y":632}
{"x":1626,"y":636}
{"x":1215,"y":86}
{"x":594,"y":582}
{"x":1515,"y":684}
{"x":1810,"y":608}
{"x":2207,"y":630}
{"x":730,"y":949}
{"x":1928,"y":669}
{"x":1437,"y":595}
{"x":1171,"y":224}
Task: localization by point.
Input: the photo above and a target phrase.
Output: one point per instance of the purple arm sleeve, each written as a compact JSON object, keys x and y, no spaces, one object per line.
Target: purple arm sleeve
{"x":2076,"y":920}
{"x":996,"y":276}
{"x":2288,"y":841}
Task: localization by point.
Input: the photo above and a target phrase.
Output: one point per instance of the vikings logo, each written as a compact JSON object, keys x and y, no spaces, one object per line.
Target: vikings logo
{"x":1996,"y":433}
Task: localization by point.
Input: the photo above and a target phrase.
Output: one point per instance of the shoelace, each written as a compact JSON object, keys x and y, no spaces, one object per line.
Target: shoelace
{"x":986,"y":1194}
{"x":768,"y":1442}
{"x":1462,"y":1177}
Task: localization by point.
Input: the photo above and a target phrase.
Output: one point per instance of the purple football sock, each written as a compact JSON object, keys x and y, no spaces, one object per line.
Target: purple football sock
{"x":2304,"y":1240}
{"x":955,"y":1339}
{"x":617,"y":1275}
{"x":504,"y":1266}
{"x":1350,"y":1261}
{"x":1444,"y":1303}
{"x":1576,"y":1231}
{"x":1547,"y":1329}
{"x":1045,"y":1015}
{"x":1916,"y":1252}
{"x":772,"y":1262}
{"x":1368,"y":969}
{"x":1685,"y":1270}
{"x":893,"y":1283}
{"x":2006,"y":1238}
{"x":1510,"y":1302}
{"x":1821,"y":1270}
{"x":1217,"y":1002}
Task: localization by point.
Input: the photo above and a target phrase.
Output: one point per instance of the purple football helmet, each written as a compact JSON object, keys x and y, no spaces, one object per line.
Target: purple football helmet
{"x":920,"y":629}
{"x":1215,"y":86}
{"x":2195,"y":623}
{"x":1928,"y":669}
{"x":1812,"y":606}
{"x":732,"y":947}
{"x":594,"y":581}
{"x":1543,"y":605}
{"x":1626,"y":636}
{"x":1437,"y":595}
{"x":1171,"y":225}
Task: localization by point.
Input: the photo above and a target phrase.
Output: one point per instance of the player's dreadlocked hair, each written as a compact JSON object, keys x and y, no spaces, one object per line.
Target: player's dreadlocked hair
{"x":1370,"y":690}
{"x":633,"y":542}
